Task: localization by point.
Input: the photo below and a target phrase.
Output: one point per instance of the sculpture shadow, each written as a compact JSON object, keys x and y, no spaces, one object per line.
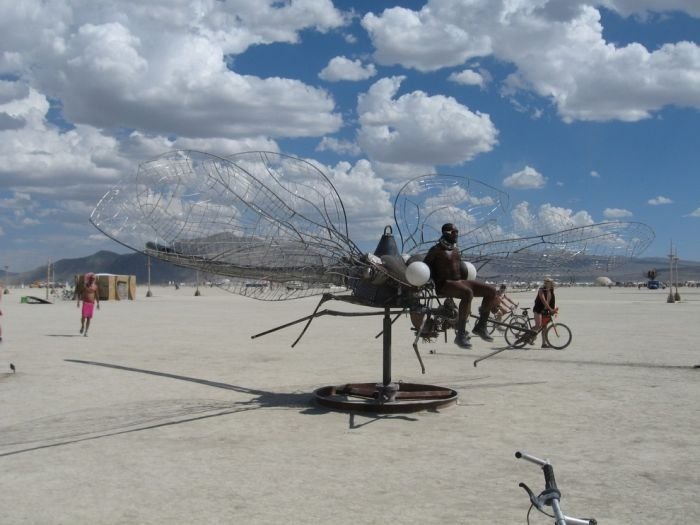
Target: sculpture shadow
{"x":261,"y":398}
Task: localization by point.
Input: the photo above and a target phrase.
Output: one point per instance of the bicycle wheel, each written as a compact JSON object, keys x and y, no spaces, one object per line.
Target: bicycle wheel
{"x":490,"y":326}
{"x":558,"y":335}
{"x":517,"y":334}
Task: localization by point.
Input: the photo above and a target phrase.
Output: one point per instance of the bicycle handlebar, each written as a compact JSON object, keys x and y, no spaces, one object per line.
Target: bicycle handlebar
{"x":550,"y":483}
{"x":533,"y":459}
{"x":551,"y":495}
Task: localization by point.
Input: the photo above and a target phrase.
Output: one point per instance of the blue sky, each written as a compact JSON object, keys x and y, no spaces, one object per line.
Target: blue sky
{"x":586,"y":109}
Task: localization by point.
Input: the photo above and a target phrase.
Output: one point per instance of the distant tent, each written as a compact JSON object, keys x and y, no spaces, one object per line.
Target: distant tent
{"x":110,"y":287}
{"x":603,"y":281}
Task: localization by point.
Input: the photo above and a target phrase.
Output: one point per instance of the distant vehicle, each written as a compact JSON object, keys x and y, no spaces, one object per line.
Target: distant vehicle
{"x":42,"y":284}
{"x":653,"y":285}
{"x":296,"y":285}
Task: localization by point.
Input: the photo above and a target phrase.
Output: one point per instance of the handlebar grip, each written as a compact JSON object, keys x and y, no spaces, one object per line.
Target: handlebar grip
{"x":549,"y":480}
{"x":550,"y":483}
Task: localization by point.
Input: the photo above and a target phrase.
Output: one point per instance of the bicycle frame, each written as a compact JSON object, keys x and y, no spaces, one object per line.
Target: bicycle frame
{"x":525,"y":331}
{"x":530,"y":330}
{"x":507,"y":319}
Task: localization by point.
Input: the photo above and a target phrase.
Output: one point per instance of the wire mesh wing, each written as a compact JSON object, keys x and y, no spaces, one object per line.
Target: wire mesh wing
{"x":593,"y":248}
{"x":425,"y":203}
{"x":488,"y":237}
{"x":273,"y":225}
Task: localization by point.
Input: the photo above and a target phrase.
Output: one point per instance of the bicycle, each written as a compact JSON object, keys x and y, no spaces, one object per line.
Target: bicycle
{"x":512,"y":316}
{"x":556,"y":335}
{"x":550,"y":496}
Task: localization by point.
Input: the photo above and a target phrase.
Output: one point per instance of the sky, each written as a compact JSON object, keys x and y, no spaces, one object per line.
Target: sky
{"x":586,"y":109}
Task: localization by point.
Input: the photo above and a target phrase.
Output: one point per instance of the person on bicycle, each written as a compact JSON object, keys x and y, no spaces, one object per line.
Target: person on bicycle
{"x":445,"y":263}
{"x":545,"y":307}
{"x":500,"y":307}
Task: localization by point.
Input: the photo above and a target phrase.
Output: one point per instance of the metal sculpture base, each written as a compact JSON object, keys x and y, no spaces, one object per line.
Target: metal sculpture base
{"x":387,"y":397}
{"x":381,"y":398}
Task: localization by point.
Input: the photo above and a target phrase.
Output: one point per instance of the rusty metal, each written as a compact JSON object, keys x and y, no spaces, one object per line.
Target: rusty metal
{"x":385,"y":399}
{"x":388,"y":396}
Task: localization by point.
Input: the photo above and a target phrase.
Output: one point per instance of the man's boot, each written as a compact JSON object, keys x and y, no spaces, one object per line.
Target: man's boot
{"x":462,"y":339}
{"x":480,"y":327}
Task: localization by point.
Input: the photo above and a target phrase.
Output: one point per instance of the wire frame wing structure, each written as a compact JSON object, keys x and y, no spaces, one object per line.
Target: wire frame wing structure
{"x":479,"y":212}
{"x":425,"y":203}
{"x":594,"y":249}
{"x":274,"y":225}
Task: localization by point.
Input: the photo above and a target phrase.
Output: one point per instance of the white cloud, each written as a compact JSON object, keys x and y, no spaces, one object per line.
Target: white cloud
{"x":523,"y":220}
{"x":159,"y":69}
{"x":526,"y":179}
{"x":468,"y":77}
{"x":418,"y":128}
{"x":554,"y":218}
{"x":547,"y":219}
{"x":38,"y":153}
{"x":367,"y":203}
{"x":342,"y":68}
{"x":140,"y":146}
{"x":616,"y":213}
{"x":658,"y":201}
{"x":695,"y":213}
{"x":396,"y":175}
{"x":595,"y":174}
{"x":11,"y":90}
{"x":22,"y":208}
{"x":557,"y":48}
{"x":641,"y":7}
{"x":163,"y":70}
{"x":342,"y":147}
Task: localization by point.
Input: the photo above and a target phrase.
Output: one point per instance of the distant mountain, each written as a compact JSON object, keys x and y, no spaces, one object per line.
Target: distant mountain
{"x":110,"y":262}
{"x":636,"y":270}
{"x":582,"y":270}
{"x":162,"y":272}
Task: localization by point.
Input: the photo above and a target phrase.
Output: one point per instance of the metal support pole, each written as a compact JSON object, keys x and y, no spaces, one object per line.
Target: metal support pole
{"x":677,"y":296}
{"x":148,"y":266}
{"x":387,"y":347}
{"x":670,"y":298}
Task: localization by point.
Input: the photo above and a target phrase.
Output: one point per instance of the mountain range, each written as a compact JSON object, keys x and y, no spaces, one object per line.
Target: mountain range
{"x":104,"y":261}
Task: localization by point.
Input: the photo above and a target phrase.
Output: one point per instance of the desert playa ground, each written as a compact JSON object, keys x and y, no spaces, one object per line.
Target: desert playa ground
{"x":170,"y":413}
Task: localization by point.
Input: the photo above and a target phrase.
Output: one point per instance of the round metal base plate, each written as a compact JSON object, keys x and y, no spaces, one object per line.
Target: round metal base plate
{"x":385,"y":399}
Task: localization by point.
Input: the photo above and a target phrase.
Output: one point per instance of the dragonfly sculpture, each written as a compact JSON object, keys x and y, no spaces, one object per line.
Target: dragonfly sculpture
{"x":275,"y":227}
